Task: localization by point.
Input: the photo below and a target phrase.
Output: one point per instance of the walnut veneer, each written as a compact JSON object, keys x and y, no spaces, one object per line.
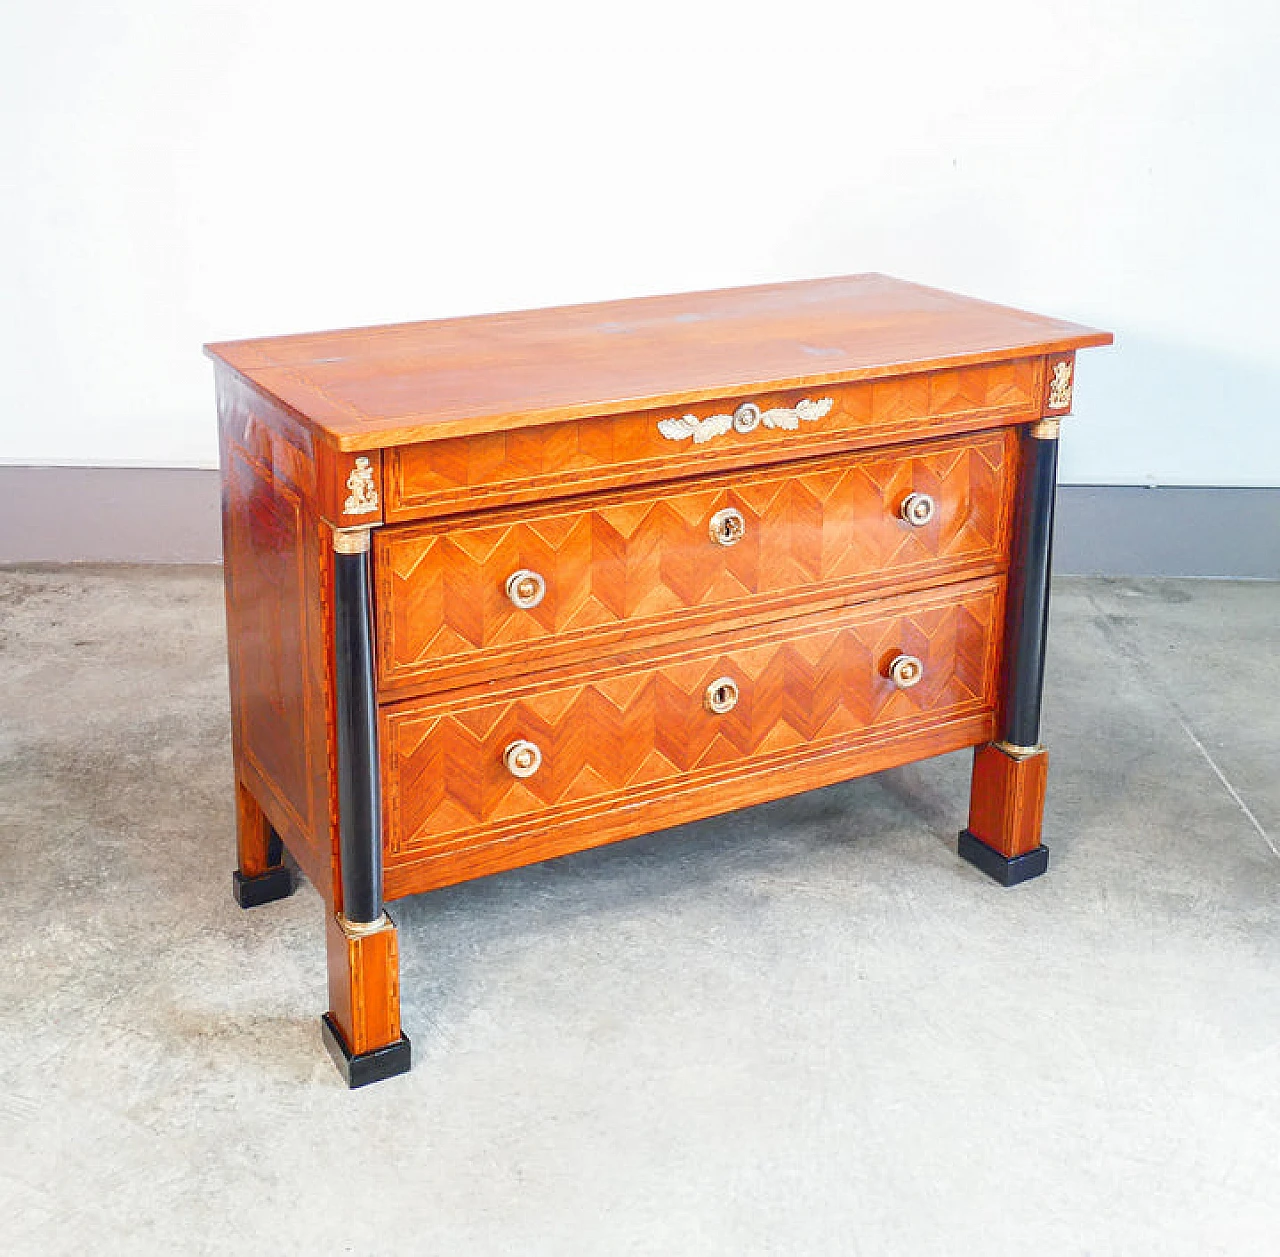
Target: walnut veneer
{"x":505,"y":587}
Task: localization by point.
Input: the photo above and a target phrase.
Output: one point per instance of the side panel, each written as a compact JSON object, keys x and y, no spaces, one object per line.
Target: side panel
{"x":275,"y":567}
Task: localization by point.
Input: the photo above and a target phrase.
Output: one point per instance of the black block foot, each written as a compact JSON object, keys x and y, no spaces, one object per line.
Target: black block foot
{"x":366,"y":1067}
{"x":1008,"y":871}
{"x":277,"y":883}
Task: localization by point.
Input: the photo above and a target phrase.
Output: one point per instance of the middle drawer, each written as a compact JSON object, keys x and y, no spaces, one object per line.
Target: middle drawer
{"x":531,"y":585}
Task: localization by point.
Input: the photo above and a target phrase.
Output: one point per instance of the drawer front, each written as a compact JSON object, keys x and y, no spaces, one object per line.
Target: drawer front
{"x":734,"y":546}
{"x":529,"y":464}
{"x":581,"y":754}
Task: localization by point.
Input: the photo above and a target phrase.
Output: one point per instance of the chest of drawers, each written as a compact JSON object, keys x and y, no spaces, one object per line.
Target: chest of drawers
{"x":506,"y":587}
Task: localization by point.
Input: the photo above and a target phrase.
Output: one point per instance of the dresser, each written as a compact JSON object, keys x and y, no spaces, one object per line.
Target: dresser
{"x":505,"y":587}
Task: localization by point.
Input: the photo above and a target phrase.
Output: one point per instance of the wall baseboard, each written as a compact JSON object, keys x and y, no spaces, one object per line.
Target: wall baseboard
{"x":170,"y":515}
{"x":110,"y":515}
{"x":1194,"y":530}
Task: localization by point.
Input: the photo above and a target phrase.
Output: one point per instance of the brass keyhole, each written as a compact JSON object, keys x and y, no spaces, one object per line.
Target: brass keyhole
{"x":526,"y":589}
{"x":721,"y":696}
{"x":728,"y":527}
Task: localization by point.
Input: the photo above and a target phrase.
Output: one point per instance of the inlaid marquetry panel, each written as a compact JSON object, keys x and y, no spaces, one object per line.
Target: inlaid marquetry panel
{"x":525,"y":464}
{"x":618,"y":736}
{"x":272,"y":551}
{"x":646,"y":559}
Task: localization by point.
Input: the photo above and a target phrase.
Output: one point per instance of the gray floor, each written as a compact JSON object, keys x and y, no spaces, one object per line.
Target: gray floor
{"x":803,"y":1028}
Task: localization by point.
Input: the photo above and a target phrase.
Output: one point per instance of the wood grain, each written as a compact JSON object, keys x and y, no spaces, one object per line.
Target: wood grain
{"x":529,"y":464}
{"x":645,"y":562}
{"x":614,"y":738}
{"x":364,"y":985}
{"x":253,"y":834}
{"x":426,"y":870}
{"x":1006,"y":802}
{"x":276,"y":627}
{"x":377,"y":387}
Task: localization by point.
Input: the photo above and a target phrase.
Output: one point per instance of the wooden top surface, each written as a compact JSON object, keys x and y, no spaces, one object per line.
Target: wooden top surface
{"x":365,"y":388}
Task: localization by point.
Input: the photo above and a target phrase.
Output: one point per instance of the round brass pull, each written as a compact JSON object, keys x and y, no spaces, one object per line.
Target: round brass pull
{"x":522,"y":758}
{"x":905,"y":671}
{"x":728,"y":527}
{"x":721,"y":696}
{"x":918,"y":509}
{"x":525,"y":589}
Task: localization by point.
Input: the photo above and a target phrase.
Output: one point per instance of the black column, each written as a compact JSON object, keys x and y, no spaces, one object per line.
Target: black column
{"x":359,"y":789}
{"x":1027,"y":623}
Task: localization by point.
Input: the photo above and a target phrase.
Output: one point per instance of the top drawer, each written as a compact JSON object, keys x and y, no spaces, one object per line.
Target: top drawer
{"x":474,"y":597}
{"x":531,"y":464}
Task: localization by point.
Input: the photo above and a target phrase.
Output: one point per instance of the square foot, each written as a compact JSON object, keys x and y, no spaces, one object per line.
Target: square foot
{"x":251,"y":892}
{"x":365,"y":1067}
{"x":1007,"y":870}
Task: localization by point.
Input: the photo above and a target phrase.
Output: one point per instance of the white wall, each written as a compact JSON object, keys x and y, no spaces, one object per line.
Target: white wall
{"x":180,"y":171}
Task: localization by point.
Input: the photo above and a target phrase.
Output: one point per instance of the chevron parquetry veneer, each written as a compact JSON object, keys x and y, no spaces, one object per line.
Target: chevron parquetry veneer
{"x":643,"y":558}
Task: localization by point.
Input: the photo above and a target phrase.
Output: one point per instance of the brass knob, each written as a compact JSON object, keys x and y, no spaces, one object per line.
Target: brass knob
{"x":905,"y":671}
{"x":525,"y":589}
{"x":721,"y":696}
{"x":918,"y":509}
{"x":728,"y":527}
{"x":522,"y":758}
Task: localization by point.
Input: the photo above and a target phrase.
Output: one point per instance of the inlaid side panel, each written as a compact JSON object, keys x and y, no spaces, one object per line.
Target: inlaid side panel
{"x":525,"y":464}
{"x":601,"y":573}
{"x":275,"y":621}
{"x":613,"y":740}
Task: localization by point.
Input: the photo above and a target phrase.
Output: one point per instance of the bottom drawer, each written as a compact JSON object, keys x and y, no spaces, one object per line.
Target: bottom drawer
{"x":491,"y":780}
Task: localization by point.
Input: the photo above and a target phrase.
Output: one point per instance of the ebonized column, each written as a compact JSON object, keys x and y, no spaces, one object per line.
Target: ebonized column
{"x":359,"y":793}
{"x":1027,"y":623}
{"x":1006,"y":801}
{"x":362,"y":1027}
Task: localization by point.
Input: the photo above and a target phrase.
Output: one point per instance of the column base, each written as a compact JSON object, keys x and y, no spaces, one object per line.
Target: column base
{"x":1007,"y":870}
{"x":361,"y":1068}
{"x":252,"y":892}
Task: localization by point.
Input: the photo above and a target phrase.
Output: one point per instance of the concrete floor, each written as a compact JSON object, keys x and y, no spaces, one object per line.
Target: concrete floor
{"x":803,"y":1028}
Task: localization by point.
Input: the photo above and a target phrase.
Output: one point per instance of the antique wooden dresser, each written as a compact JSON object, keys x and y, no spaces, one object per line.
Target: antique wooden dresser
{"x":505,"y":587}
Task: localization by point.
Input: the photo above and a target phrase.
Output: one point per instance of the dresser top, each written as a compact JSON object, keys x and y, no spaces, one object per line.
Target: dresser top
{"x":366,"y":388}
